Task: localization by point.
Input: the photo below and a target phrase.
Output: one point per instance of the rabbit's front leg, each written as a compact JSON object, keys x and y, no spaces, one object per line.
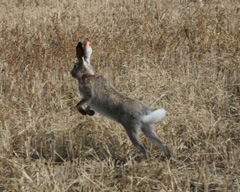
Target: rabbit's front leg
{"x":79,"y":107}
{"x":87,"y":111}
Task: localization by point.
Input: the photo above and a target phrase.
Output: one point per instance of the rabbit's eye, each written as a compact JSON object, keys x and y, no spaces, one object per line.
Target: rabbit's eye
{"x":75,"y":65}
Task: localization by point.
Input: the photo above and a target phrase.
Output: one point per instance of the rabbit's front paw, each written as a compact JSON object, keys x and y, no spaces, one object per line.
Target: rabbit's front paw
{"x":82,"y":111}
{"x":90,"y":112}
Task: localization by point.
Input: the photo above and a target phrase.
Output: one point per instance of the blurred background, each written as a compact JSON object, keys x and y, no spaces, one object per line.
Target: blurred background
{"x":179,"y":55}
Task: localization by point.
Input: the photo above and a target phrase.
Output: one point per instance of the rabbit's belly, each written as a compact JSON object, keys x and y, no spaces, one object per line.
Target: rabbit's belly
{"x":103,"y":110}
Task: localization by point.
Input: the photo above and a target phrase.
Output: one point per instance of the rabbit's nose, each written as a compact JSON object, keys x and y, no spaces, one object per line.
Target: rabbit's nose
{"x":89,"y":43}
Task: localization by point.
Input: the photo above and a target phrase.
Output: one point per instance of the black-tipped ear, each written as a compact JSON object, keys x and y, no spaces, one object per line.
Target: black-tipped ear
{"x":79,"y":50}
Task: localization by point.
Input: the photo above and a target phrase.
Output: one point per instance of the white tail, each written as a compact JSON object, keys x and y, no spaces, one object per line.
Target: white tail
{"x":154,"y":116}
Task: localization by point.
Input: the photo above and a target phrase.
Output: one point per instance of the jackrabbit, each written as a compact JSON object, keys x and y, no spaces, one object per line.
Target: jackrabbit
{"x":101,"y":96}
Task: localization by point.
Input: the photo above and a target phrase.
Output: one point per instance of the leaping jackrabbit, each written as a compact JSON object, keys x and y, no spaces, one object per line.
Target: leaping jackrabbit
{"x":101,"y":96}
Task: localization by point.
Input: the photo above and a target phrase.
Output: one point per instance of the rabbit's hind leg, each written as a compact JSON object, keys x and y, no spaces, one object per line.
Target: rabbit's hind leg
{"x":133,"y":134}
{"x":150,"y":133}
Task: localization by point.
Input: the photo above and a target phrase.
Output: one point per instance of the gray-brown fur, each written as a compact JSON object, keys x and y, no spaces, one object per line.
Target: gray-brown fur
{"x":101,"y":96}
{"x":100,"y":93}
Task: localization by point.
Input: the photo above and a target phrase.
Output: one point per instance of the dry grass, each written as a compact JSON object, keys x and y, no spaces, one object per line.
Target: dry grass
{"x":172,"y":54}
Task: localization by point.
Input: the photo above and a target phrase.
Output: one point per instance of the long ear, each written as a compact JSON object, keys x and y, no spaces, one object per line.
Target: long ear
{"x":79,"y":51}
{"x":87,"y":47}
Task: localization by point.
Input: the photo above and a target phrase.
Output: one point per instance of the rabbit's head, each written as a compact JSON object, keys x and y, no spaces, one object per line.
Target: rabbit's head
{"x":83,"y":66}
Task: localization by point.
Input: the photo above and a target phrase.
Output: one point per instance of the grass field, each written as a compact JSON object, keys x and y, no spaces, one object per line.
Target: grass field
{"x":183,"y":56}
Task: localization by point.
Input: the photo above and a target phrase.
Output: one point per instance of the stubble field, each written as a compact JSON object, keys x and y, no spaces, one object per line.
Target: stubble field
{"x":183,"y":56}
